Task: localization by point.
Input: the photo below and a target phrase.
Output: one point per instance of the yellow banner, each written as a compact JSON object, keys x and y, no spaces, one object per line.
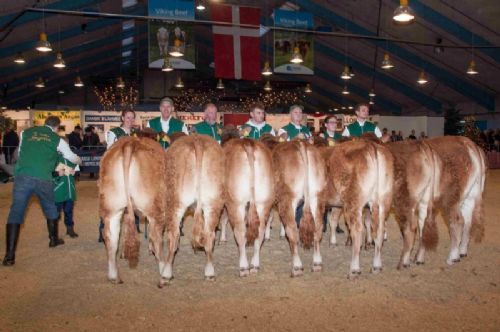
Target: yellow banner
{"x":66,"y":116}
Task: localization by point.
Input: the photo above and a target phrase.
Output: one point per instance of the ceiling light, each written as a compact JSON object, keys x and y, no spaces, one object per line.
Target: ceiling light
{"x":167,"y":66}
{"x":179,"y":83}
{"x":61,"y":91}
{"x":19,"y":59}
{"x":267,"y":69}
{"x":351,"y":71}
{"x":371,"y":102}
{"x":372,"y":92}
{"x":176,"y":50}
{"x":120,"y":84}
{"x":220,"y":85}
{"x":308,"y":89}
{"x":471,"y":69}
{"x":345,"y":91}
{"x":40,"y":83}
{"x":78,"y":82}
{"x":343,"y":107}
{"x":59,"y":61}
{"x":346,"y":74}
{"x":350,"y":107}
{"x":386,"y":63}
{"x":200,"y":6}
{"x":336,"y":109}
{"x":43,"y":45}
{"x":296,"y":56}
{"x":403,"y":14}
{"x":422,"y":79}
{"x":267,"y":86}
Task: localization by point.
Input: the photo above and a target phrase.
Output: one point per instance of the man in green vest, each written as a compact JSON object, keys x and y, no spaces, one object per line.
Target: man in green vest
{"x":39,"y":150}
{"x":295,"y":128}
{"x":209,"y":125}
{"x":362,"y":125}
{"x":166,"y":124}
{"x":256,"y":126}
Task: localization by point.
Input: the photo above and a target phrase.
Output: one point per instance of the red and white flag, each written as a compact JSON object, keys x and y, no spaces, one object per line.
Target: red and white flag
{"x":236,"y":49}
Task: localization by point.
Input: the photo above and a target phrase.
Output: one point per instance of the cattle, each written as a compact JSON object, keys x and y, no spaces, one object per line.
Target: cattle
{"x":361,"y":172}
{"x":195,"y":175}
{"x":300,"y":175}
{"x":132,"y":177}
{"x":162,"y":39}
{"x":414,"y":176}
{"x":249,"y":196}
{"x":460,"y":167}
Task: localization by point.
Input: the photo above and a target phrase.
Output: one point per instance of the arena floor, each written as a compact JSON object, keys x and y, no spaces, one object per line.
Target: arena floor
{"x":66,"y":288}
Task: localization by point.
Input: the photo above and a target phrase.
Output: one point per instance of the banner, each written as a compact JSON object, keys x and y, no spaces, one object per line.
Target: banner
{"x":286,"y":41}
{"x":163,"y":33}
{"x":90,"y":159}
{"x":236,"y":48}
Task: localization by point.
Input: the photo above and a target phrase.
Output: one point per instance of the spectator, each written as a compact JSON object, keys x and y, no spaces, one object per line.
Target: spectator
{"x":422,"y":135}
{"x":412,"y":135}
{"x":75,"y":138}
{"x":10,"y":143}
{"x":90,"y":139}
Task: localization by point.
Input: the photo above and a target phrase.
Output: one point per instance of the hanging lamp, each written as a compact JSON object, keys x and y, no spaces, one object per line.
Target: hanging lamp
{"x":167,"y":66}
{"x":220,"y":85}
{"x":19,"y":59}
{"x":422,"y":78}
{"x":78,"y":82}
{"x":471,"y":69}
{"x":387,"y":63}
{"x":403,"y":14}
{"x":59,"y":61}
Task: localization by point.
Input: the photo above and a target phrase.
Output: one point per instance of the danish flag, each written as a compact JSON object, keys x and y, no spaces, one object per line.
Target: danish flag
{"x":236,"y":49}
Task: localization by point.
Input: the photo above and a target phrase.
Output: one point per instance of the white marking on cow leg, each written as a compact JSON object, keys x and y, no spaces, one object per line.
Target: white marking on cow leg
{"x":211,"y":219}
{"x":239,"y":230}
{"x":112,"y":236}
{"x":255,"y":264}
{"x":173,"y":235}
{"x":223,"y":227}
{"x":378,"y":212}
{"x":333,"y":220}
{"x":422,"y":216}
{"x":467,"y":209}
{"x":367,"y":219}
{"x":282,"y":231}
{"x":456,"y":228}
{"x":268,"y":227}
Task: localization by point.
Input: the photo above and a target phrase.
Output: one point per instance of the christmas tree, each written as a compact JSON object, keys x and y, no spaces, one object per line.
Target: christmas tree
{"x":473,"y":132}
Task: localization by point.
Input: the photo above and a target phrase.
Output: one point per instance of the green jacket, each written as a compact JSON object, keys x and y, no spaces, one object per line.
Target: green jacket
{"x":38,"y":153}
{"x":336,"y":136}
{"x":203,"y":128}
{"x":292,"y":131}
{"x":174,"y":126}
{"x":356,"y":130}
{"x":255,"y":132}
{"x":64,"y":186}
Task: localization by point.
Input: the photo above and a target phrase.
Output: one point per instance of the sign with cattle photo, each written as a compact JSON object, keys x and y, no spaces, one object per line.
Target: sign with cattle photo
{"x":165,"y":34}
{"x":286,"y":41}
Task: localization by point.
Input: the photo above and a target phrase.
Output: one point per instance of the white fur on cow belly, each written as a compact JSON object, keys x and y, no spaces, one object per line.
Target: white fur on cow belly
{"x":369,"y":180}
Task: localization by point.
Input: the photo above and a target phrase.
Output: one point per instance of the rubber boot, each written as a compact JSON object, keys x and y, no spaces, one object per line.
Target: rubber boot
{"x":12,"y":231}
{"x":52,"y":226}
{"x":71,"y":232}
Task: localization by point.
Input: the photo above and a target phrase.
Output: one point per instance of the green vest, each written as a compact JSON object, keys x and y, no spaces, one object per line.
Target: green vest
{"x":38,"y":153}
{"x":203,"y":128}
{"x":64,"y":186}
{"x":174,"y":126}
{"x":336,"y":136}
{"x":292,"y":131}
{"x":119,"y":132}
{"x":356,"y":130}
{"x":256,"y":133}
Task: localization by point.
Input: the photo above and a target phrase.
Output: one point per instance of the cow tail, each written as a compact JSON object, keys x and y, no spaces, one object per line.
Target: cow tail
{"x":252,"y":217}
{"x":430,"y":234}
{"x":199,"y":236}
{"x":477,"y":226}
{"x":306,"y":226}
{"x":131,"y":247}
{"x":376,"y":158}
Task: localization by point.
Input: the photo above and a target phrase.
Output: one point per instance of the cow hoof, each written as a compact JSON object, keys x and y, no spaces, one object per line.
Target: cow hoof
{"x":463,"y":255}
{"x":117,"y":281}
{"x":297,"y":271}
{"x":254,"y":269}
{"x":419,"y":263}
{"x":452,"y":261}
{"x":317,"y":267}
{"x":165,"y":282}
{"x":404,"y":266}
{"x":210,"y":278}
{"x":353,"y":275}
{"x":376,"y":270}
{"x":222,"y":242}
{"x":244,"y":272}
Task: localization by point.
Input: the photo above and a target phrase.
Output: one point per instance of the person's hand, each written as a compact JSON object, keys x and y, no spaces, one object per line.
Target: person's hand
{"x":245,"y":131}
{"x":301,"y":136}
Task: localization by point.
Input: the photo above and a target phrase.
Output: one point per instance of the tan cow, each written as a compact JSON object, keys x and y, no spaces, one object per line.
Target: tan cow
{"x":458,"y":190}
{"x":195,"y":175}
{"x":414,"y":168}
{"x":361,"y":172}
{"x":300,"y":174}
{"x":249,"y":196}
{"x":132,"y":177}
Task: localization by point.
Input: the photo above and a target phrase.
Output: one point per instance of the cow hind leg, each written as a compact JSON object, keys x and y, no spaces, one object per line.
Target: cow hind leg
{"x":263,"y":210}
{"x":173,"y":235}
{"x":287,"y":215}
{"x":317,"y":210}
{"x":367,"y":220}
{"x":456,"y":228}
{"x":223,"y":227}
{"x":353,"y":218}
{"x":467,"y":210}
{"x":212,"y":214}
{"x":333,"y":220}
{"x":408,"y":231}
{"x":111,"y":239}
{"x":236,"y":213}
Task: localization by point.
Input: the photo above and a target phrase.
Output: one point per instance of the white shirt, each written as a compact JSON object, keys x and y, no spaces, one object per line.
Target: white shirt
{"x":260,"y":126}
{"x":165,"y":126}
{"x":111,"y":137}
{"x":346,"y":132}
{"x":62,"y":147}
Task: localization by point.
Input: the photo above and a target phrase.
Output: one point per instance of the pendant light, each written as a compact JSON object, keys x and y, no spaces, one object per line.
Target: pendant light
{"x":59,"y":61}
{"x":200,"y":6}
{"x":308,"y":89}
{"x":167,"y":66}
{"x":422,"y":78}
{"x":176,"y":50}
{"x":19,"y":59}
{"x":471,"y":69}
{"x":43,"y":45}
{"x":387,"y":63}
{"x":220,"y":85}
{"x":346,"y":73}
{"x":78,"y":82}
{"x":403,"y":14}
{"x":345,"y":91}
{"x":372,"y":92}
{"x":40,"y":83}
{"x":267,"y":69}
{"x":120,"y":84}
{"x":179,"y":83}
{"x":267,"y":86}
{"x":296,"y":56}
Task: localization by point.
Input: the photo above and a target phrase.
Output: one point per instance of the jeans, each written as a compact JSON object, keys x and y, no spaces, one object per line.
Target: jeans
{"x":67,"y":207}
{"x":24,"y":187}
